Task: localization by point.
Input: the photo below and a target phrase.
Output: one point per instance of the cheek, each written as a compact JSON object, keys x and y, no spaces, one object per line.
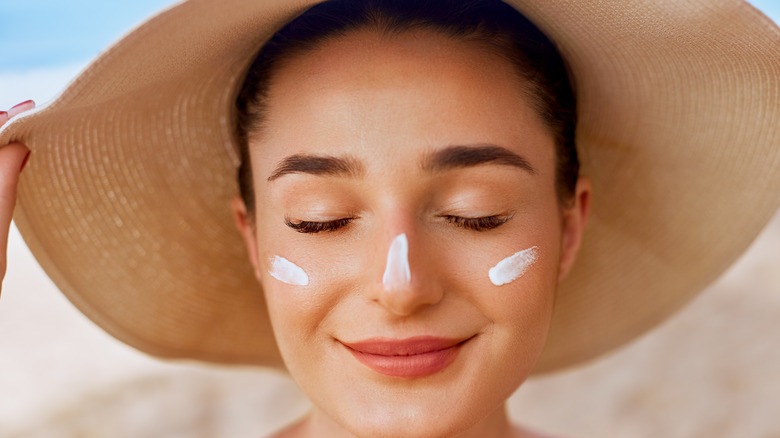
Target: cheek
{"x":520,"y":313}
{"x":303,"y":284}
{"x":520,"y":310}
{"x":518,"y":260}
{"x":522,"y":303}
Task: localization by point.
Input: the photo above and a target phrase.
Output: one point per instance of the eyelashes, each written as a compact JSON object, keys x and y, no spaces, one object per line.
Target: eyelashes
{"x":478,"y":223}
{"x":310,"y":227}
{"x":485,"y":223}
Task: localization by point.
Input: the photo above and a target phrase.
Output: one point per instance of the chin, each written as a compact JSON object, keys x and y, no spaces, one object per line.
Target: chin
{"x":409,"y":425}
{"x":421,"y":412}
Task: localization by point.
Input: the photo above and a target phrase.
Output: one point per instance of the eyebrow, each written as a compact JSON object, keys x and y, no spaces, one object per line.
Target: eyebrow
{"x":450,"y":157}
{"x":317,"y":165}
{"x":458,"y":156}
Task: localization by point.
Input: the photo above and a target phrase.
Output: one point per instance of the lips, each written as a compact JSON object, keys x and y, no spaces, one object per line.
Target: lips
{"x":412,"y":357}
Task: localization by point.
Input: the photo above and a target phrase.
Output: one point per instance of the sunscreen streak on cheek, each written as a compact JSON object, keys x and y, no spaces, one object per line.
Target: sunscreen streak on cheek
{"x":397,"y":271}
{"x":513,"y":267}
{"x":288,"y":272}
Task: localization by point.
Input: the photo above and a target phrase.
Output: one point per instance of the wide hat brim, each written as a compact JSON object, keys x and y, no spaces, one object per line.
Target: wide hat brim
{"x":126,"y":201}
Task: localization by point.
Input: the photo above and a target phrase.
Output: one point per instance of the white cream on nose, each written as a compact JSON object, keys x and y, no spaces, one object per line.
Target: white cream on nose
{"x":513,"y":267}
{"x":397,"y":271}
{"x":288,"y":272}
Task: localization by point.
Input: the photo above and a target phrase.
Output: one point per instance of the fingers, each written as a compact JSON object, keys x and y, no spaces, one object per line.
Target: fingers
{"x":12,"y":158}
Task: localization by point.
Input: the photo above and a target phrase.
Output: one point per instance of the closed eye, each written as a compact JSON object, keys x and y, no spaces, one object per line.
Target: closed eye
{"x":311,"y":227}
{"x":478,"y":223}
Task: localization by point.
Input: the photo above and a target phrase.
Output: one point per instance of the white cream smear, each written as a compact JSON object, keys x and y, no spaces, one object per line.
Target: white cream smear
{"x":397,"y":271}
{"x":513,"y":267}
{"x":288,"y":272}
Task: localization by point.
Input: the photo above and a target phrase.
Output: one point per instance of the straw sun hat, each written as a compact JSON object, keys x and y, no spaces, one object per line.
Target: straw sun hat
{"x":126,"y":201}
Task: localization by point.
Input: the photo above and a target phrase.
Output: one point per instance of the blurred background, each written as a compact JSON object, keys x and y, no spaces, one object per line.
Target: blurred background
{"x":712,"y":370}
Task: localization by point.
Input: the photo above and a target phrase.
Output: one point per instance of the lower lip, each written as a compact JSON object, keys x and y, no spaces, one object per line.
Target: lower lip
{"x":415,"y":365}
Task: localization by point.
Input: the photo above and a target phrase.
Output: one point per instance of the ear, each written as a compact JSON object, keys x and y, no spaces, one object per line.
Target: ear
{"x":246,"y":228}
{"x":575,"y":217}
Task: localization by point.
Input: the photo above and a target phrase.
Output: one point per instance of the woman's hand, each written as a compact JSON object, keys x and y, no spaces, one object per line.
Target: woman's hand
{"x":13,"y":157}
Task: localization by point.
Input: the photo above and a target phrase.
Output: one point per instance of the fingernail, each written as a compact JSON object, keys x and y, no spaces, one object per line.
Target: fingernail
{"x":26,"y":102}
{"x":20,"y":108}
{"x":24,"y":162}
{"x":3,"y":117}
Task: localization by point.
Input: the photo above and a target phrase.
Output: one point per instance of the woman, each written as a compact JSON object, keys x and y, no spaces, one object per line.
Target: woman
{"x":410,"y":199}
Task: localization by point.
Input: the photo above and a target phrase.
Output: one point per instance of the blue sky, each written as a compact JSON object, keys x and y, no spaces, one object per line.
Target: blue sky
{"x":43,"y":43}
{"x":45,"y":33}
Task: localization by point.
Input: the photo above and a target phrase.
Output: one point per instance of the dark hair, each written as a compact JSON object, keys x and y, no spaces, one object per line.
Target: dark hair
{"x":491,"y":22}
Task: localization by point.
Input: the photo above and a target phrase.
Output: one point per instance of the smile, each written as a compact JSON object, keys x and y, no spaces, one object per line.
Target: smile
{"x":413,"y":357}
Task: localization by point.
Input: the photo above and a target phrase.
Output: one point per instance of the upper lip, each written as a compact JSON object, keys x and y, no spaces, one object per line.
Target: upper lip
{"x":403,"y":347}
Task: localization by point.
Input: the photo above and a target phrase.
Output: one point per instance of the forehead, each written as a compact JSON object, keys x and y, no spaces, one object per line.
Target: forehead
{"x":365,"y":56}
{"x":408,"y":91}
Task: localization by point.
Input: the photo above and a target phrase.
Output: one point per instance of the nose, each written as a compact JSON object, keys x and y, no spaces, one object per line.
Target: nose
{"x":405,"y":286}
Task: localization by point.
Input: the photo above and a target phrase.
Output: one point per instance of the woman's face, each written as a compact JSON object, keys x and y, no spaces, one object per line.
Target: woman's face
{"x":430,"y":146}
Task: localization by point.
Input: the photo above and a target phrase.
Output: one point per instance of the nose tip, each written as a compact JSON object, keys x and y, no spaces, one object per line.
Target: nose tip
{"x":399,"y":294}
